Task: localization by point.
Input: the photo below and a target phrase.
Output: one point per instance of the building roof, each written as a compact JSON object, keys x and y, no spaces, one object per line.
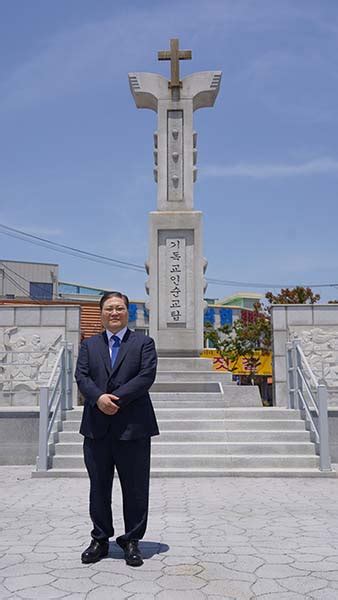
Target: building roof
{"x":28,"y":262}
{"x":240,"y":296}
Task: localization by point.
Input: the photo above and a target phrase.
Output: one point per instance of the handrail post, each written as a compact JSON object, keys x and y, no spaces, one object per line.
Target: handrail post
{"x":63,"y":376}
{"x":290,"y":378}
{"x":297,"y":383}
{"x":324,"y":450}
{"x":69,"y":378}
{"x":42,"y":459}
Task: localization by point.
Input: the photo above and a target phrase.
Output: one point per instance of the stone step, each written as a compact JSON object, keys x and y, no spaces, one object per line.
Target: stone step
{"x":198,"y":387}
{"x":206,"y":403}
{"x":226,"y":413}
{"x":200,"y":435}
{"x":185,"y":364}
{"x":208,"y":461}
{"x":200,"y":472}
{"x":242,"y":396}
{"x":182,"y":376}
{"x":186,"y":396}
{"x":239,"y":461}
{"x":258,"y":436}
{"x":232,"y":448}
{"x":230,"y":424}
{"x":220,"y":448}
{"x":190,"y":412}
{"x":215,"y":424}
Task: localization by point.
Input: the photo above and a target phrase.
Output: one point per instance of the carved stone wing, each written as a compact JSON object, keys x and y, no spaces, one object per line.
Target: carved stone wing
{"x":148,"y":88}
{"x":202,"y":88}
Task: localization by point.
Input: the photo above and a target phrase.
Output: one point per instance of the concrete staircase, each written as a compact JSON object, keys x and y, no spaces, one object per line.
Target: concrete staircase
{"x":199,"y":441}
{"x":209,"y":427}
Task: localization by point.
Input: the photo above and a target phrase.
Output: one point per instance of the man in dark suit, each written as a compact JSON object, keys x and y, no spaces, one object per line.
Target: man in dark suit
{"x":114,"y":372}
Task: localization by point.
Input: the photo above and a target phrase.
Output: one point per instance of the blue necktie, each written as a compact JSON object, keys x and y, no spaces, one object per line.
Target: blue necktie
{"x":115,"y":349}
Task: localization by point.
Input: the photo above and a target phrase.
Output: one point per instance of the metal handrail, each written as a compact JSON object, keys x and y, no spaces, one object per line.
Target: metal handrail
{"x":55,"y":398}
{"x":305,"y":362}
{"x":298,"y":368}
{"x":52,"y":375}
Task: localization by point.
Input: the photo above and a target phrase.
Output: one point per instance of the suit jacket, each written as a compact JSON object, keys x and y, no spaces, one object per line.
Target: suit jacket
{"x":133,"y":374}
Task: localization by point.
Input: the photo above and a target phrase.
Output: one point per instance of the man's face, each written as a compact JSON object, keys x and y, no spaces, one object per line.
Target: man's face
{"x":114,"y":314}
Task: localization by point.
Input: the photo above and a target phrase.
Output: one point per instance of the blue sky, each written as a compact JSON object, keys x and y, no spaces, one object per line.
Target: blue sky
{"x":76,"y":155}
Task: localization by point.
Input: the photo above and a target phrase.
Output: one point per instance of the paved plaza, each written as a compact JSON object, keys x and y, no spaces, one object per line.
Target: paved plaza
{"x":229,"y":538}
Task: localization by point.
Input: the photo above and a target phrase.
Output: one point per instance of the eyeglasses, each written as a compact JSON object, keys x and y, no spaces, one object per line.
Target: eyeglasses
{"x":118,"y":310}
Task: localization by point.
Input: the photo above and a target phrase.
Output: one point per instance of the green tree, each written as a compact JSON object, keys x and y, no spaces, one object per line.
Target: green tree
{"x":252,"y":331}
{"x":249,"y":333}
{"x":296,"y":295}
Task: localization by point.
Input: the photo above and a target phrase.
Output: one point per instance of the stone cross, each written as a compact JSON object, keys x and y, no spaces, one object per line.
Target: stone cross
{"x":174,"y":55}
{"x":176,"y":265}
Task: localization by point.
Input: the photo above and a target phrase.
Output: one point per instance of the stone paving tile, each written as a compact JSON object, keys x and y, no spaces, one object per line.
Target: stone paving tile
{"x":279,"y":571}
{"x":180,"y":582}
{"x":284,"y":596}
{"x":142,"y":597}
{"x":322,"y":565}
{"x":107,"y":593}
{"x":75,"y":585}
{"x":149,"y":587}
{"x":208,"y":539}
{"x":43,"y":591}
{"x":240,"y":590}
{"x":265,"y":586}
{"x":213,"y":571}
{"x":303,"y":584}
{"x":4,"y":592}
{"x":182,"y":570}
{"x":112,"y":579}
{"x":26,"y":581}
{"x":180,"y":595}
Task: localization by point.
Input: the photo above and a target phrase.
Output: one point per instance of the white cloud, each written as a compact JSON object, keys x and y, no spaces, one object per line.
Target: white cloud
{"x":264,"y":171}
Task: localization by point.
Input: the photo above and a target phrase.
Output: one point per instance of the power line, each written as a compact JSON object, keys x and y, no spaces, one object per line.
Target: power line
{"x":64,"y":249}
{"x":98,"y":258}
{"x":270,"y":285}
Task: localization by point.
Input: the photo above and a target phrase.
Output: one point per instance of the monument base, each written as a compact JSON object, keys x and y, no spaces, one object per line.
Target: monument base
{"x":176,"y":283}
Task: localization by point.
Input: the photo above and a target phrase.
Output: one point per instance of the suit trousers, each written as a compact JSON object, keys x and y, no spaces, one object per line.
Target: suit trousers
{"x":132,"y":461}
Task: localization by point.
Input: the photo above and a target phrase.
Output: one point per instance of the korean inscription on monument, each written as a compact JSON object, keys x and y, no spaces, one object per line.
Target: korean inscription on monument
{"x":176,"y":293}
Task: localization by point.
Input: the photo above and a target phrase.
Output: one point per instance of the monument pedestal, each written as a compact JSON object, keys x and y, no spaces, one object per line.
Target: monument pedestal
{"x":176,"y":283}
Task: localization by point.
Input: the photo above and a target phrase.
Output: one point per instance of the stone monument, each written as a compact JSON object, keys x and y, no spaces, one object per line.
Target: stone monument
{"x":176,"y":265}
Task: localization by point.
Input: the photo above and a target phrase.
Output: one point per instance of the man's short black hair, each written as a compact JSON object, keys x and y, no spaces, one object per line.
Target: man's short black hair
{"x":108,"y":295}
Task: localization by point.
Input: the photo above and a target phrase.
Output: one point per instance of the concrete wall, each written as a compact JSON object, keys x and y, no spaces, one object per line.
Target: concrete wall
{"x":316,"y":326}
{"x":19,"y":435}
{"x":333,"y":432}
{"x":30,"y":338}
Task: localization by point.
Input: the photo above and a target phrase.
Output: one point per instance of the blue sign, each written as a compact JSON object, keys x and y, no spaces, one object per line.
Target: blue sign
{"x":226,"y":316}
{"x":132,"y":312}
{"x":209,"y":316}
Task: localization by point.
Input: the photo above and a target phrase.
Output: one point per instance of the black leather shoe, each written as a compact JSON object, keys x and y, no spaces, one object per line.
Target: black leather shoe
{"x":95,"y":551}
{"x":131,"y":551}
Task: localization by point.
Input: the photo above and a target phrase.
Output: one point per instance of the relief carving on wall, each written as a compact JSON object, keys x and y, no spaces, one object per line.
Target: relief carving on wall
{"x":321,"y":351}
{"x":27,"y":357}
